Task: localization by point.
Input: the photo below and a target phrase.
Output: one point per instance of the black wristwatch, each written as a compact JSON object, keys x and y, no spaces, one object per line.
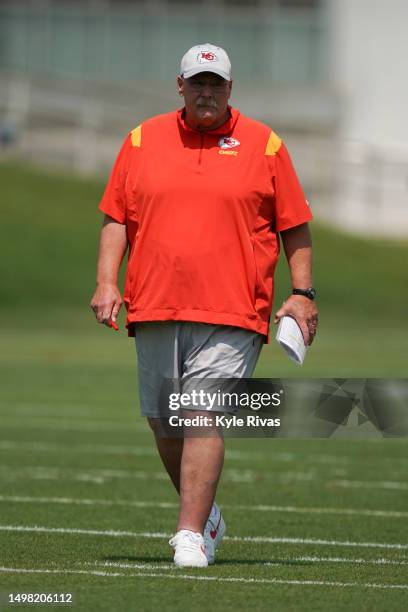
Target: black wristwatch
{"x":310,"y":292}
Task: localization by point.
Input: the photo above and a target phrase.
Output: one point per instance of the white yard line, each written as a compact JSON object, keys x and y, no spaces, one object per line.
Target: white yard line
{"x":87,"y":502}
{"x":368,"y":484}
{"x":69,"y":406}
{"x":159,"y":535}
{"x":100,"y":475}
{"x":99,"y":449}
{"x":91,"y":532}
{"x":60,"y":424}
{"x":317,"y":542}
{"x":234,"y":579}
{"x":338,"y":511}
{"x":249,"y":476}
{"x":117,"y":449}
{"x":171,"y":505}
{"x":71,"y":412}
{"x":339,"y":560}
{"x":153,"y":566}
{"x":263,"y":563}
{"x":95,"y":476}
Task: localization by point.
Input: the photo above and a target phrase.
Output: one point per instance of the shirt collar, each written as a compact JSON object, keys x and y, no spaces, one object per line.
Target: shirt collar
{"x":221,"y":130}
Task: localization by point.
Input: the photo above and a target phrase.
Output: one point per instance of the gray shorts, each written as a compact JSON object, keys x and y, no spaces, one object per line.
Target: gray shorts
{"x":178,"y":353}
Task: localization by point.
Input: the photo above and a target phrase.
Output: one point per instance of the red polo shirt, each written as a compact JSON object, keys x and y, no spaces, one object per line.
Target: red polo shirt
{"x":203,"y":212}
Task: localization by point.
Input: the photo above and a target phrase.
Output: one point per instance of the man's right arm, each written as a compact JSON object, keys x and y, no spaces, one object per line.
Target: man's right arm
{"x":106,"y":301}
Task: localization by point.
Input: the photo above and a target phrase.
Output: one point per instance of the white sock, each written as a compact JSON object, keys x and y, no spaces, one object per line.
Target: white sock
{"x":214,"y":510}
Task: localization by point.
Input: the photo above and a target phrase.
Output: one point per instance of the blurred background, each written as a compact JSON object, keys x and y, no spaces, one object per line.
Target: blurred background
{"x":75,"y":77}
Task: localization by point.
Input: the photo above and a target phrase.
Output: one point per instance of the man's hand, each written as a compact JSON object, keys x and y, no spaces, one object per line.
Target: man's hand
{"x":304,"y":311}
{"x":106,"y":303}
{"x":298,"y":249}
{"x":107,"y":300}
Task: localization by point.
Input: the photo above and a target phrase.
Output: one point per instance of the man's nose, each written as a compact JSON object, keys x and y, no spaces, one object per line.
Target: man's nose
{"x":206,"y":91}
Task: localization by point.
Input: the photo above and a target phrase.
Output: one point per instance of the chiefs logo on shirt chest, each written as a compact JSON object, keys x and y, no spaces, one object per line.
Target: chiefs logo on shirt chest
{"x":228,"y":146}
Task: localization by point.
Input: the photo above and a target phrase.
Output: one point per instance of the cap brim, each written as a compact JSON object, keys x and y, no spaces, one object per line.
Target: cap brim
{"x":194,"y":71}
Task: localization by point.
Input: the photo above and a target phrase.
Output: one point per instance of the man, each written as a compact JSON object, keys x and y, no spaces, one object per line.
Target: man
{"x":201,"y":196}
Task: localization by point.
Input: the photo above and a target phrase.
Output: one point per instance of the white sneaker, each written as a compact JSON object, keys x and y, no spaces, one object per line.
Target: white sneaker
{"x":188,"y":549}
{"x":213,"y":533}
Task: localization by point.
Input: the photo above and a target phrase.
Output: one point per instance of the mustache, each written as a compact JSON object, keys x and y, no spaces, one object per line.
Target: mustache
{"x":208,"y":103}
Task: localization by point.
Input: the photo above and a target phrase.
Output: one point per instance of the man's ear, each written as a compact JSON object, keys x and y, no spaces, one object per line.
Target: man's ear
{"x":230,"y":88}
{"x":180,"y":85}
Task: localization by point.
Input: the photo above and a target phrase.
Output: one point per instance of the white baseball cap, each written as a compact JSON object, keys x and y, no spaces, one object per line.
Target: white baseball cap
{"x":205,"y":58}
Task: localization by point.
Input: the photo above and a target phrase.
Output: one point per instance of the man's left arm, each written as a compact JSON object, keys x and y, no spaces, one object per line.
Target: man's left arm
{"x":297,"y":244}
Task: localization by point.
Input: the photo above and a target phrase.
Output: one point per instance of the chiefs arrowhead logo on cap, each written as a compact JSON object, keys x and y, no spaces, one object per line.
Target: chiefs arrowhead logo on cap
{"x":206,"y":56}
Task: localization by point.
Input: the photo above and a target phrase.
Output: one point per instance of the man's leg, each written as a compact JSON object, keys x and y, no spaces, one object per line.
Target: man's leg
{"x":194,"y":465}
{"x":211,"y":352}
{"x":201,"y":466}
{"x":170,"y":451}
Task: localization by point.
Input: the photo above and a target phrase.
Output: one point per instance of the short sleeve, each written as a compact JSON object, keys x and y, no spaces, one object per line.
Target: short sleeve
{"x":291,"y":206}
{"x":113,"y":202}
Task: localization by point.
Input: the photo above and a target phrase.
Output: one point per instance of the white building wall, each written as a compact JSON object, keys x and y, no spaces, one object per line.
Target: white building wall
{"x":368,"y":68}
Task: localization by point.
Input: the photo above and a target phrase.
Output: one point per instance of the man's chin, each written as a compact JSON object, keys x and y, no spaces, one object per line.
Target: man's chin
{"x":207,"y":115}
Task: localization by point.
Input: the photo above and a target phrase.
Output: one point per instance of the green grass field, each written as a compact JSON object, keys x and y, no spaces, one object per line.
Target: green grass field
{"x":84,"y":504}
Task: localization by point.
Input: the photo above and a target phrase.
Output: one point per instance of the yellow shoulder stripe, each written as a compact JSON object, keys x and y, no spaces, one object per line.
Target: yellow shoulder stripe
{"x":273,"y":144}
{"x":136,"y":136}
